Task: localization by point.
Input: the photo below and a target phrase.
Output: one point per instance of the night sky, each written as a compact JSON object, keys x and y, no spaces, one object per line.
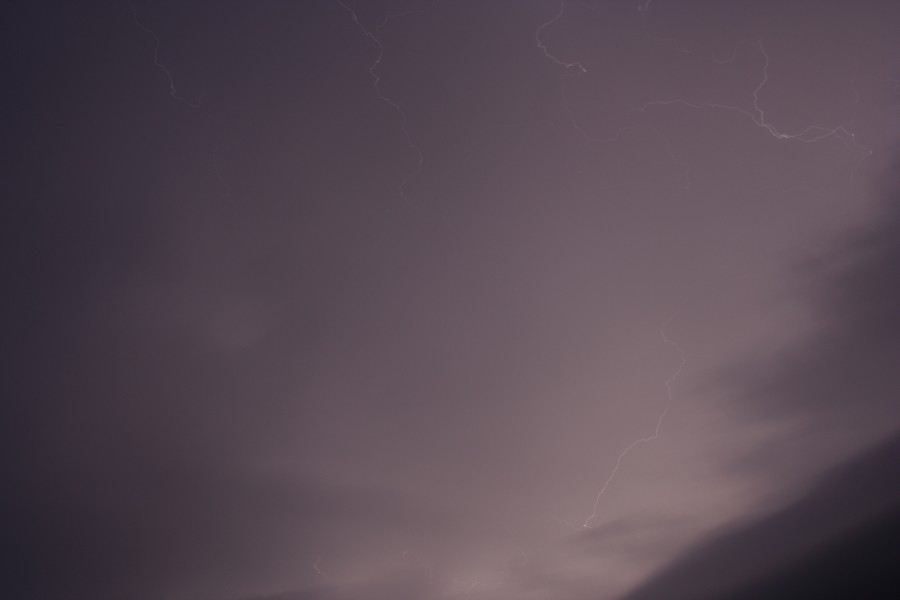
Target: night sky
{"x":436,"y":300}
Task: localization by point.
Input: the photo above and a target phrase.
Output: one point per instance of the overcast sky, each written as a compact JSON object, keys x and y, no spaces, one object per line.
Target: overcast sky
{"x":440,"y":300}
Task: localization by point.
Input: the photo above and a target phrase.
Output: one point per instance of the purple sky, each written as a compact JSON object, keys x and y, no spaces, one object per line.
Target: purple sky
{"x":440,"y":300}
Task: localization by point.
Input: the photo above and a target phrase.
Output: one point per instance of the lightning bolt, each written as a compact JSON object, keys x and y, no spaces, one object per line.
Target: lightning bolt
{"x":580,"y":69}
{"x":577,"y":67}
{"x":156,"y":61}
{"x":809,"y":135}
{"x":669,"y":383}
{"x":537,"y":39}
{"x":173,"y":92}
{"x":318,"y":570}
{"x":376,"y":79}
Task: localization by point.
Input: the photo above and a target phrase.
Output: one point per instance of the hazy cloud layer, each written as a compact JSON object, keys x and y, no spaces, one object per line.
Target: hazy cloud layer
{"x":370,"y":300}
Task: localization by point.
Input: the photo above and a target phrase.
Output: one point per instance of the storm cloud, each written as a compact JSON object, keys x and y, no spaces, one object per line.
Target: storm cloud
{"x":370,"y":300}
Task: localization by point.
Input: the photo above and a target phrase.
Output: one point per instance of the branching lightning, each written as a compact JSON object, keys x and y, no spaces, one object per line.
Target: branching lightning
{"x":580,"y":69}
{"x":577,"y":66}
{"x":809,"y":135}
{"x":156,"y":61}
{"x":669,"y":383}
{"x":376,"y":79}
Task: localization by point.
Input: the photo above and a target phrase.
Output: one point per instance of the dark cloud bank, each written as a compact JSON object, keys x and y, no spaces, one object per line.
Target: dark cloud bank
{"x":840,"y":541}
{"x":842,"y":538}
